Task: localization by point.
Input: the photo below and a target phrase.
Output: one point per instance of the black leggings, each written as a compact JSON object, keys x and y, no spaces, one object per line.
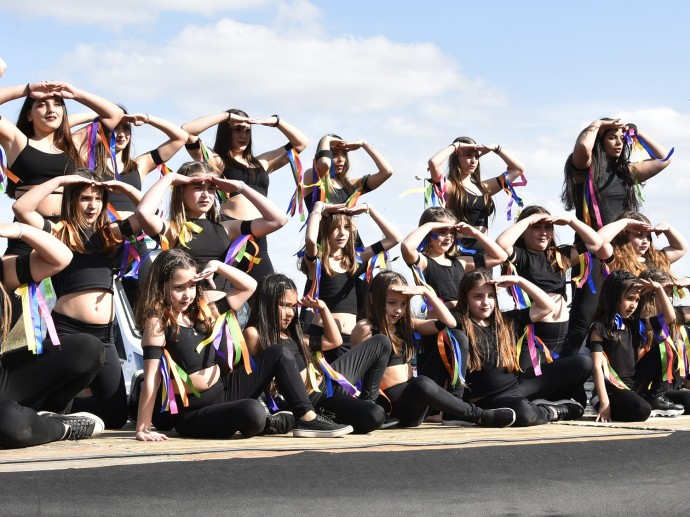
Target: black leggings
{"x":626,"y":405}
{"x":526,"y":413}
{"x":582,"y":310}
{"x":432,"y":365}
{"x":27,"y":379}
{"x":411,"y":400}
{"x":109,"y":400}
{"x":368,"y":362}
{"x":230,"y":406}
{"x":564,"y":378}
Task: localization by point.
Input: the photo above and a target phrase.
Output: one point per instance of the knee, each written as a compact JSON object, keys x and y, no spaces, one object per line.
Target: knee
{"x":254,"y":417}
{"x":423,"y":384}
{"x":382,"y":344}
{"x":14,"y":431}
{"x":370,"y":419}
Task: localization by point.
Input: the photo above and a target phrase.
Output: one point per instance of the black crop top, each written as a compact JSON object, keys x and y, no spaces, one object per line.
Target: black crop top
{"x":183,"y":351}
{"x":212,"y":243}
{"x":445,"y":280}
{"x":93,"y":270}
{"x":256,"y":178}
{"x":338,"y":291}
{"x":33,"y":166}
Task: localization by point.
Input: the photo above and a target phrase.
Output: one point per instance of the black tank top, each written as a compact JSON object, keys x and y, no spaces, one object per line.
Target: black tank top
{"x":611,"y":197}
{"x":211,"y":243}
{"x":183,"y":351}
{"x":33,"y":166}
{"x":445,"y":280}
{"x":121,"y":202}
{"x":256,"y":178}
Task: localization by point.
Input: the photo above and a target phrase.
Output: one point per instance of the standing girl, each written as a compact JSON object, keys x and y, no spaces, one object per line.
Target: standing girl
{"x":233,"y":156}
{"x":195,"y":221}
{"x":492,"y":371}
{"x":332,"y":262}
{"x":466,"y":194}
{"x":27,"y":378}
{"x":40,"y":146}
{"x":388,"y":313}
{"x":273,"y":324}
{"x":333,"y":166}
{"x":600,"y":182}
{"x":85,"y":287}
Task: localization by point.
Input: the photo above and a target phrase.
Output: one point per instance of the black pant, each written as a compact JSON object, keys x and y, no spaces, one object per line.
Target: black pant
{"x":368,"y":362}
{"x":526,"y":413}
{"x":582,"y":310}
{"x":26,"y":379}
{"x":563,"y":378}
{"x":109,"y":400}
{"x":230,"y":406}
{"x":411,"y":400}
{"x":626,"y":405}
{"x":432,"y":365}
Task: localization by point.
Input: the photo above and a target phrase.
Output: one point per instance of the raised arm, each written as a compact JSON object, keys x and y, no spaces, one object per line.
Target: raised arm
{"x":511,"y":234}
{"x":514,"y":167}
{"x":542,"y":304}
{"x":109,"y":112}
{"x":438,"y":308}
{"x":409,"y":245}
{"x":649,"y":168}
{"x":153,"y":338}
{"x":25,"y":207}
{"x":78,"y":119}
{"x":582,"y":152}
{"x":48,"y":258}
{"x":243,"y":285}
{"x":331,"y":334}
{"x":391,"y":235}
{"x":677,"y":245}
{"x":495,"y":255}
{"x":437,"y":160}
{"x":591,"y":238}
{"x":197,"y":126}
{"x":176,"y":139}
{"x":277,"y":158}
{"x":384,"y":171}
{"x":609,"y":232}
{"x":272,"y":217}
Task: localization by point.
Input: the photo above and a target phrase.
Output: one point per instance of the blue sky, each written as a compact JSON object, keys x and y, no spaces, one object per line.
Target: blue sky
{"x":406,"y":76}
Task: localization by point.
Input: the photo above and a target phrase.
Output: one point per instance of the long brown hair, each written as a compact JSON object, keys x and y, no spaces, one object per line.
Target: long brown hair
{"x":458,"y":196}
{"x":504,"y":332}
{"x":155,"y":289}
{"x":624,"y":257}
{"x":62,"y":137}
{"x":6,"y":315}
{"x":74,"y":226}
{"x":178,"y":213}
{"x":326,"y":227}
{"x":223,"y":146}
{"x":402,"y":340}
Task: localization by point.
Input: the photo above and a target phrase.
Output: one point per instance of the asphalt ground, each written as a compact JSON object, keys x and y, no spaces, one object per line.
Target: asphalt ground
{"x":644,"y":475}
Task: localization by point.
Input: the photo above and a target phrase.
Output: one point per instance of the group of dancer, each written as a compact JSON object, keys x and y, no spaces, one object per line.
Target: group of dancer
{"x":337,"y":357}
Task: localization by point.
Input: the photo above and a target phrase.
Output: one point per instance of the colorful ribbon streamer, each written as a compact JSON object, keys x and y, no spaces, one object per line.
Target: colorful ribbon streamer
{"x":451,"y":355}
{"x":533,"y":342}
{"x":37,"y":314}
{"x":297,"y":201}
{"x":509,"y":188}
{"x":331,"y":375}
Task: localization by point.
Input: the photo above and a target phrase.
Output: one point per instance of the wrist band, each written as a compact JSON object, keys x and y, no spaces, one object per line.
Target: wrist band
{"x":497,"y":149}
{"x":277,"y":120}
{"x":193,"y":145}
{"x":240,"y":188}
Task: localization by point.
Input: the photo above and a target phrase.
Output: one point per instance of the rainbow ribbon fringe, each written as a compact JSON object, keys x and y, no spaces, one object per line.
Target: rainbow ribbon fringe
{"x":509,"y":188}
{"x":186,"y":232}
{"x":36,"y":311}
{"x":238,"y":250}
{"x":451,"y":355}
{"x":331,"y":375}
{"x":585,"y":272}
{"x":170,"y":371}
{"x":228,"y":326}
{"x":533,"y":342}
{"x":590,"y":204}
{"x":611,"y":376}
{"x":520,"y":297}
{"x":297,"y":201}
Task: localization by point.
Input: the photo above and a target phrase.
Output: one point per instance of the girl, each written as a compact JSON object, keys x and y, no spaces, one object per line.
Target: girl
{"x":467,"y":195}
{"x":599,"y":179}
{"x":614,"y":343}
{"x":388,"y":313}
{"x":40,"y":146}
{"x":440,"y":261}
{"x":330,"y":239}
{"x":233,"y":155}
{"x":132,"y":169}
{"x":85,"y":287}
{"x":26,"y":378}
{"x":628,"y":244}
{"x":170,"y":313}
{"x":661,"y":369}
{"x":273,"y":324}
{"x":532,"y":251}
{"x":492,"y":378}
{"x":195,"y":221}
{"x":333,"y":164}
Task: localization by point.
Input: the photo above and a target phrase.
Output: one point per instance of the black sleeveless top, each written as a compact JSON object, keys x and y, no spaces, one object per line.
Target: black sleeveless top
{"x":535,"y":267}
{"x":338,"y":291}
{"x":611,"y":197}
{"x":33,"y":166}
{"x":121,"y":202}
{"x":621,"y":353}
{"x":256,"y":178}
{"x":212,"y":243}
{"x":445,"y":280}
{"x":183,"y":351}
{"x":93,"y":270}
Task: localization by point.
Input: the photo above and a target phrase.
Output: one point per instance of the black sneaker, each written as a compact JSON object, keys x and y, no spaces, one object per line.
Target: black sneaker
{"x":566,"y":409}
{"x":389,"y":422}
{"x":662,"y":406}
{"x":279,"y":423}
{"x":81,"y":425}
{"x":320,"y":427}
{"x":499,"y":417}
{"x":133,"y":397}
